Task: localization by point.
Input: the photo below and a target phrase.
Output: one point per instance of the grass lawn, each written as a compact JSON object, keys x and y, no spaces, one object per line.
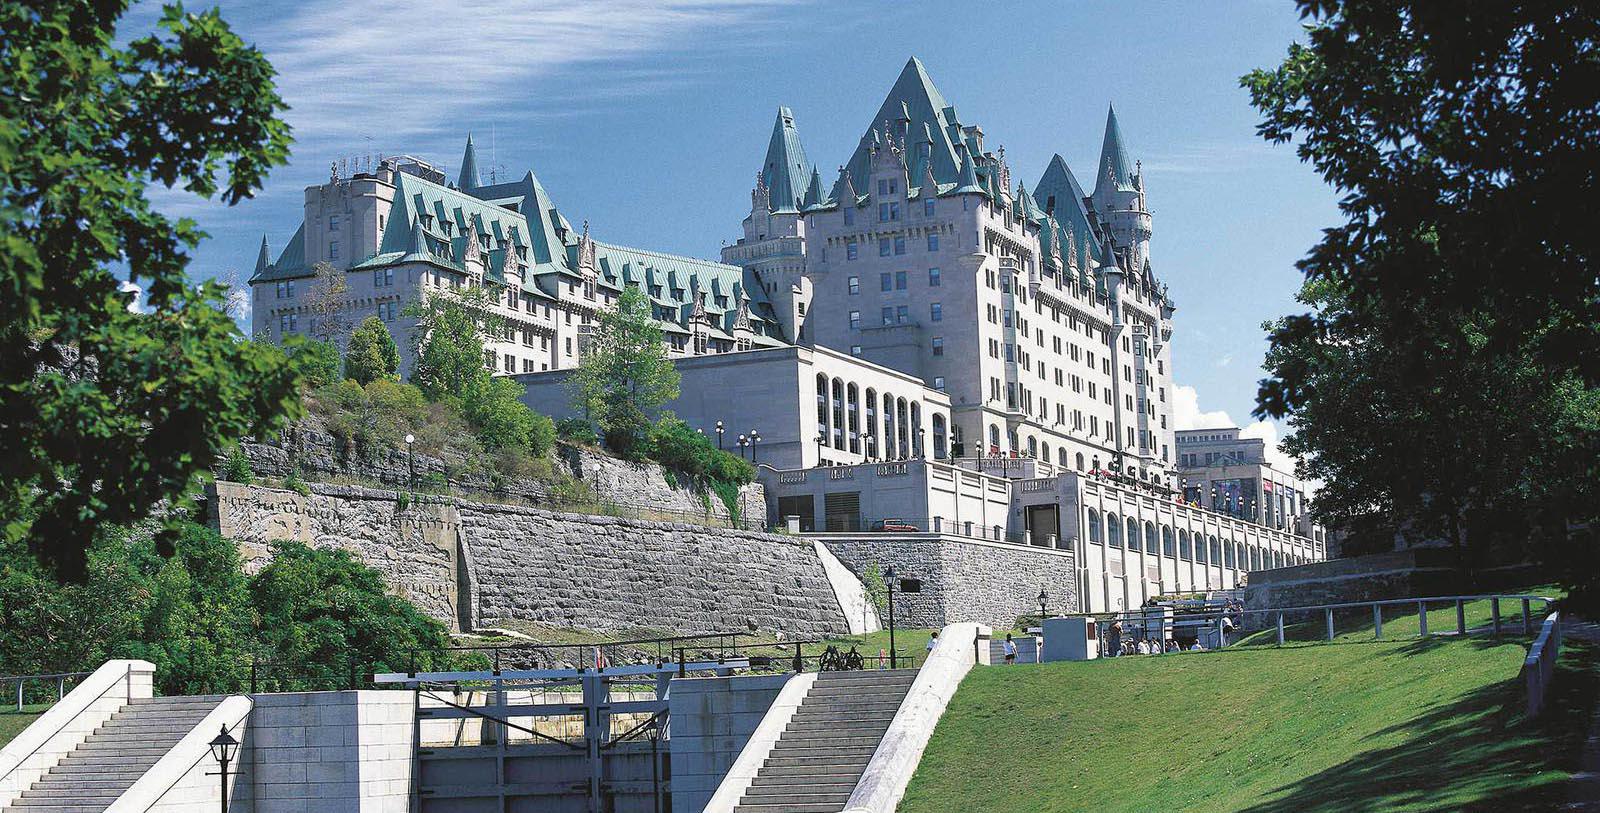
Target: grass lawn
{"x":12,"y":722}
{"x":1400,"y":621}
{"x":1357,"y":726}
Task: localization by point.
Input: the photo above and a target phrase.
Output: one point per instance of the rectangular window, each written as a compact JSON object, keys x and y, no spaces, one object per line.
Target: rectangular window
{"x":938,"y":383}
{"x":855,"y":349}
{"x":855,"y":320}
{"x":883,"y":186}
{"x":888,"y":315}
{"x":885,"y":282}
{"x":851,"y":251}
{"x":933,"y":242}
{"x":899,"y":280}
{"x":333,"y":222}
{"x":883,"y":246}
{"x":333,"y":249}
{"x":933,"y":278}
{"x":927,"y":207}
{"x":938,"y":345}
{"x":511,"y":363}
{"x":883,"y":211}
{"x":849,"y":215}
{"x":899,"y":245}
{"x":855,"y":285}
{"x":902,"y":314}
{"x":936,"y":312}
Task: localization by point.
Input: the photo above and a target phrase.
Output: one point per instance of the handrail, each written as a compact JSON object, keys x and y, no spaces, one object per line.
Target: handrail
{"x":1539,"y":667}
{"x":59,"y":677}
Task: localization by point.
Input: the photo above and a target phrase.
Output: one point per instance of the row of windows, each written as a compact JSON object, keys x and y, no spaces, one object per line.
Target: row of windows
{"x":889,"y":246}
{"x":1200,"y":549}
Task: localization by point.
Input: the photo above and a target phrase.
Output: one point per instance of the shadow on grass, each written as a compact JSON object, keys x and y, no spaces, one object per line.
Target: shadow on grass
{"x":1476,"y":753}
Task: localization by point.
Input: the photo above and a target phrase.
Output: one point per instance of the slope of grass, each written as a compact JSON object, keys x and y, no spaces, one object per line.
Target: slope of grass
{"x":13,"y":722}
{"x":1371,"y":726}
{"x":1400,"y":621}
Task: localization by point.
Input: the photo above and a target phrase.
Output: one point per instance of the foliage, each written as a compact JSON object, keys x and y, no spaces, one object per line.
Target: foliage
{"x":128,"y":408}
{"x":325,"y":303}
{"x":877,"y":589}
{"x":493,"y":405}
{"x":448,"y":340}
{"x":575,"y":430}
{"x":625,"y":375}
{"x":676,"y":445}
{"x":294,"y":483}
{"x":200,"y":619}
{"x":316,"y":361}
{"x":236,"y":469}
{"x":371,"y":353}
{"x":1446,"y":375}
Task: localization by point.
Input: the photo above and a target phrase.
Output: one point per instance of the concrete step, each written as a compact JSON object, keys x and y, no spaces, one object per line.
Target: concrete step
{"x":786,"y":807}
{"x":105,"y":796}
{"x":853,"y":762}
{"x":790,"y":749}
{"x":800,"y":785}
{"x":851,"y":706}
{"x":877,"y":722}
{"x":818,"y":737}
{"x":837,"y":798}
{"x":868,"y":676}
{"x":808,"y":779}
{"x":852,"y":771}
{"x":851,"y":690}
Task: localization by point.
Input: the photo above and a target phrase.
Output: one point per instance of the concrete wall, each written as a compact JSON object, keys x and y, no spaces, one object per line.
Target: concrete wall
{"x":329,"y":752}
{"x":712,"y":719}
{"x":465,"y":563}
{"x":61,"y":729}
{"x":962,"y":580}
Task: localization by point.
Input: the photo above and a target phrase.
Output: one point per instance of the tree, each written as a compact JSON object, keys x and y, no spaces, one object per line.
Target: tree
{"x":1446,"y":374}
{"x":316,"y":361}
{"x":625,"y":375}
{"x":108,"y":412}
{"x":325,"y":302}
{"x":493,"y":406}
{"x":371,"y":353}
{"x":448,"y":341}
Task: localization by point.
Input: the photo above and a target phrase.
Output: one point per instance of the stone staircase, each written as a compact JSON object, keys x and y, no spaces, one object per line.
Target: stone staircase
{"x":110,"y":760}
{"x":1027,"y":649}
{"x":823,"y":751}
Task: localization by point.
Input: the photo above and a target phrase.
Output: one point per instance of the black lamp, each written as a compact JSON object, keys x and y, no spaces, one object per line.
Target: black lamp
{"x":223,"y":749}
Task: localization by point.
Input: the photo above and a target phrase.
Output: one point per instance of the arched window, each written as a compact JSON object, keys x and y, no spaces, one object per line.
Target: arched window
{"x":1033,"y":447}
{"x":888,"y":427}
{"x":852,"y":398}
{"x":870,"y":424}
{"x":838,"y":414}
{"x":1080,"y":461}
{"x":1185,"y":550}
{"x":994,"y":440}
{"x":1228,"y":558}
{"x":1150,"y":539}
{"x":1113,"y":531}
{"x":1095,"y":536}
{"x":1013,"y":443}
{"x":938,"y":437}
{"x":1133,"y":534}
{"x":1216,"y":551}
{"x":822,"y":407}
{"x":916,"y":429}
{"x":1166,"y":542}
{"x":1200,"y":549}
{"x":1044,"y":452}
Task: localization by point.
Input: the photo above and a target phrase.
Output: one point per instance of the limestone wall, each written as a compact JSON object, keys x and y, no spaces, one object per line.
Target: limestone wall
{"x":468,"y":563}
{"x":963,"y":580}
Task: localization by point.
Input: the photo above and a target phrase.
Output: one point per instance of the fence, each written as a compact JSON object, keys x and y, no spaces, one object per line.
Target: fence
{"x":60,"y":679}
{"x":851,"y":523}
{"x":1540,"y":665}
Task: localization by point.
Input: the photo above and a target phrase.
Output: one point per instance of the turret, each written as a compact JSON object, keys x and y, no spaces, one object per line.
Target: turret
{"x":1118,"y":197}
{"x":467,"y":181}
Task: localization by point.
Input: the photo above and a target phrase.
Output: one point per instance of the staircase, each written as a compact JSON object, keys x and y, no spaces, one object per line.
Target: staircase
{"x":823,"y":751}
{"x":90,"y":778}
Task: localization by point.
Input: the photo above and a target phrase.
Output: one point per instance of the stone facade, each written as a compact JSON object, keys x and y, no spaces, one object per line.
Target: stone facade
{"x":467,"y":563}
{"x":962,"y":580}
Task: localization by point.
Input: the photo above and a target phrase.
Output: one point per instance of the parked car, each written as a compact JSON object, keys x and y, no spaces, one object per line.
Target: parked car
{"x":895,"y":526}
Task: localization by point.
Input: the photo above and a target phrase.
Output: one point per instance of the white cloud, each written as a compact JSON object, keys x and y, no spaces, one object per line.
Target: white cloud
{"x":1268,"y":431}
{"x":1186,"y":412}
{"x":129,"y":287}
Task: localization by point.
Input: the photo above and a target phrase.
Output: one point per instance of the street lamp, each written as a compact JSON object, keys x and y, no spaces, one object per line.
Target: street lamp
{"x":743,"y":442}
{"x":223,"y":749}
{"x":1042,"y":599}
{"x":411,"y":462}
{"x":719,"y":435}
{"x":822,"y":443}
{"x":893,"y":658}
{"x":755,"y":437}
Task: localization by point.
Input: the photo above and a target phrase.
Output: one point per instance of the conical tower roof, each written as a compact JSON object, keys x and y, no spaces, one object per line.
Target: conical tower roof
{"x":1060,"y":195}
{"x":263,"y":259}
{"x":1115,"y":171}
{"x":468,"y":179}
{"x":784,"y":171}
{"x":913,"y":98}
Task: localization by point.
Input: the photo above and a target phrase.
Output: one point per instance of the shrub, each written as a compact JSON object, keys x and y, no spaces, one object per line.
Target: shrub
{"x":493,"y":408}
{"x":237,"y":468}
{"x":317,"y":362}
{"x":541,"y":436}
{"x":575,"y":430}
{"x":371,"y":354}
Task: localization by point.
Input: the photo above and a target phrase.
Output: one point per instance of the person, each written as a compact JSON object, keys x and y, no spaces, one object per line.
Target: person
{"x":1115,"y":642}
{"x":1011,"y":650}
{"x":1144,"y":647}
{"x":1196,"y":647}
{"x":932,"y":639}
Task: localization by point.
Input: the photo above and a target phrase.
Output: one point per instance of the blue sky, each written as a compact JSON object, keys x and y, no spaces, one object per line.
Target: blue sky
{"x":649,"y":119}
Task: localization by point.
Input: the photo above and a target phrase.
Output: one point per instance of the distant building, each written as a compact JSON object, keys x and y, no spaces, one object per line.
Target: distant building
{"x":1221,"y":471}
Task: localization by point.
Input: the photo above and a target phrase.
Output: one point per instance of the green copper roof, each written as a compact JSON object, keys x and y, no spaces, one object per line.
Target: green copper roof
{"x":915,"y":105}
{"x":1062,"y":198}
{"x":1114,"y":167}
{"x":784,"y":171}
{"x":468,"y":179}
{"x":813,"y":199}
{"x":671,"y":282}
{"x":291,"y":262}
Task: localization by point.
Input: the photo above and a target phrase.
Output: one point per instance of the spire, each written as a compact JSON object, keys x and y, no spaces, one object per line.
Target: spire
{"x":468,"y":180}
{"x":913,"y":108}
{"x":813,"y":191}
{"x":262,"y":258}
{"x":784,"y":170}
{"x":969,"y":172}
{"x":419,"y":241}
{"x":1113,"y":172}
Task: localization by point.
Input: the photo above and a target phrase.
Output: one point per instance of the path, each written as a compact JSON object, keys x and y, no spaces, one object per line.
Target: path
{"x":1585,"y":792}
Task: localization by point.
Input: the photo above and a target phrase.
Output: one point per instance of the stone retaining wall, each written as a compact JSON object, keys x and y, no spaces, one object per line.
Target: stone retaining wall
{"x":963,"y":580}
{"x":470,"y":563}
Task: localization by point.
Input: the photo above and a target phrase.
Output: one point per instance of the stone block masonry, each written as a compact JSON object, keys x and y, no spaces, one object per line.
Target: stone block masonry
{"x":467,"y":563}
{"x":963,"y":580}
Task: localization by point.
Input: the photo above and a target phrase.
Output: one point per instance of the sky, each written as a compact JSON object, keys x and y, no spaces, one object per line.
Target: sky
{"x":650,"y":119}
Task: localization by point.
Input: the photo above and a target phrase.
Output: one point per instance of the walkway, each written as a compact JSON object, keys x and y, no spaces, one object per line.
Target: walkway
{"x":1585,"y":792}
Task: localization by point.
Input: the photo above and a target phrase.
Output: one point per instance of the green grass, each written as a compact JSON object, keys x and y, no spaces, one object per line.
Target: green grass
{"x":12,"y":722}
{"x":1429,"y":725}
{"x":1400,"y":621}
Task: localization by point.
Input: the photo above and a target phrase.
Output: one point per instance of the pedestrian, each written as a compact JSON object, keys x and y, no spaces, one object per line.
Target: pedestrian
{"x":1011,"y":650}
{"x":1115,"y":643}
{"x":932,"y":639}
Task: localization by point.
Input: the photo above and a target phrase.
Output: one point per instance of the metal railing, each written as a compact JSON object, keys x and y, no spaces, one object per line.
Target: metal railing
{"x":937,"y":525}
{"x":60,"y":679}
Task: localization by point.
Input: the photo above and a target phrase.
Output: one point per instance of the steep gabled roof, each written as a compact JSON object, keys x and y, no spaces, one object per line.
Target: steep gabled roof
{"x":1060,"y":195}
{"x":785,"y":169}
{"x":291,"y":262}
{"x":1114,"y":168}
{"x":915,"y":103}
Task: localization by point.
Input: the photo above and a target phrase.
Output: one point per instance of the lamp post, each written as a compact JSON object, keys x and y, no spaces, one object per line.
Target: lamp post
{"x":743,"y":442}
{"x":719,"y":435}
{"x":223,"y":749}
{"x":821,"y":444}
{"x":755,"y":438}
{"x":411,"y":462}
{"x":888,"y":575}
{"x":919,"y":450}
{"x":1042,"y":599}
